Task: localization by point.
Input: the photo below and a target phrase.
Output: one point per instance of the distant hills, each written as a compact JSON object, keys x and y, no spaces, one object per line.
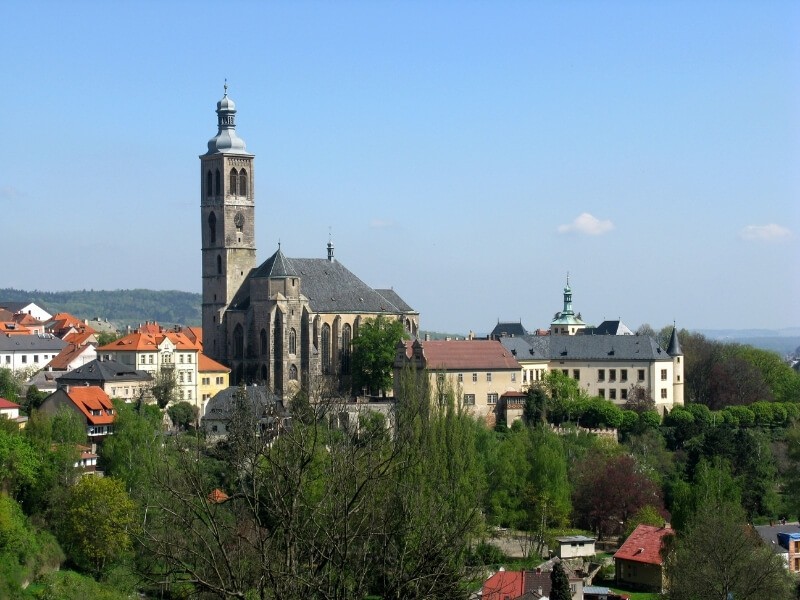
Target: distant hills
{"x":121,"y":307}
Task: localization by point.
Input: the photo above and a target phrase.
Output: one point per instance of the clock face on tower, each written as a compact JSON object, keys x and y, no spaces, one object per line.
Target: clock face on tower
{"x":238,"y":220}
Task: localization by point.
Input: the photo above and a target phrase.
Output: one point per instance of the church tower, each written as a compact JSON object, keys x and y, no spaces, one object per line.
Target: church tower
{"x":227,"y":210}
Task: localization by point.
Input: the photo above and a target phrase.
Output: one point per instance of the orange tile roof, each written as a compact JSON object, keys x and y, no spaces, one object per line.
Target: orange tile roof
{"x":26,"y":319}
{"x":80,"y":338}
{"x":195,"y":333}
{"x":90,"y":397}
{"x":452,"y":355}
{"x":63,"y":322}
{"x":209,"y":365}
{"x":68,"y":353}
{"x":644,"y":545}
{"x":217,"y":496}
{"x":12,"y":328}
{"x":149,"y":342}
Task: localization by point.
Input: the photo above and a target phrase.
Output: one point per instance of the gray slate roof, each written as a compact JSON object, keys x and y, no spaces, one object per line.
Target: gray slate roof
{"x":508,"y":330}
{"x":769,"y":533}
{"x":608,"y":328}
{"x":31,"y":343}
{"x":98,"y":371}
{"x":585,"y":347}
{"x":261,"y":401}
{"x":329,"y":286}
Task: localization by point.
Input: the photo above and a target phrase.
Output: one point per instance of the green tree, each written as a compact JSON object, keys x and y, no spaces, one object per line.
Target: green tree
{"x":721,"y":557}
{"x":374,"y":351}
{"x":548,"y":485}
{"x":98,"y":517}
{"x":68,"y":427}
{"x":19,"y":462}
{"x":33,"y":399}
{"x":183,"y":414}
{"x":165,"y":387}
{"x":10,"y":388}
{"x":559,"y":583}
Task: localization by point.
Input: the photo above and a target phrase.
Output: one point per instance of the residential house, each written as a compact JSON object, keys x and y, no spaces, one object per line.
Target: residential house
{"x":784,"y":539}
{"x":160,"y":352}
{"x":479,"y":372}
{"x":90,"y":402}
{"x":116,"y":379}
{"x":527,"y":585}
{"x":575,"y":546}
{"x":639,"y":562}
{"x":214,"y":377}
{"x":20,"y":352}
{"x":63,"y":324}
{"x":262,"y":407}
{"x":37,"y":311}
{"x":72,"y":356}
{"x":10,"y":410}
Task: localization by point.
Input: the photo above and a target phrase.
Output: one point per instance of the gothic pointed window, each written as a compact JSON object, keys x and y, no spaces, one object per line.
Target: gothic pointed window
{"x":212,"y":228}
{"x":232,"y":184}
{"x":209,"y":184}
{"x":325,"y":342}
{"x":264,"y":343}
{"x":347,"y":337}
{"x":292,"y":341}
{"x":238,"y":341}
{"x":243,"y":183}
{"x":217,"y":183}
{"x":293,"y":373}
{"x":219,"y":264}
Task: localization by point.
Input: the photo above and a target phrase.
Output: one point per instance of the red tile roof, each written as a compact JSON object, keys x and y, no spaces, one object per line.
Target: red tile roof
{"x":61,"y":323}
{"x":92,"y":398}
{"x":11,"y":328}
{"x":7,"y":404}
{"x":644,"y":545}
{"x":209,"y":365}
{"x":217,"y":496}
{"x":450,"y":355}
{"x":80,"y":338}
{"x":502,"y":585}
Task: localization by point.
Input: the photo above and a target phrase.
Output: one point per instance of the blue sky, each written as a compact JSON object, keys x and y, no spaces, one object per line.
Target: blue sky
{"x":469,"y":154}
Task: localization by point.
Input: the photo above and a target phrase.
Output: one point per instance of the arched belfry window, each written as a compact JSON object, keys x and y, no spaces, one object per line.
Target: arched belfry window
{"x":219,"y":264}
{"x":264,"y":342}
{"x":217,"y":183}
{"x":292,"y":341}
{"x":209,"y":184}
{"x":325,"y":342}
{"x":293,"y":373}
{"x":212,"y":228}
{"x":232,"y":184}
{"x":243,"y":183}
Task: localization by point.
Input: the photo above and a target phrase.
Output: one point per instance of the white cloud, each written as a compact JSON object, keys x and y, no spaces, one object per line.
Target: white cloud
{"x":764,"y":233}
{"x":587,"y":224}
{"x":380,"y":224}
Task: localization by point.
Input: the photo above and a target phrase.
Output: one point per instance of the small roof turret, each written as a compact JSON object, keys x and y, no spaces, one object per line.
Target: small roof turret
{"x":674,"y":348}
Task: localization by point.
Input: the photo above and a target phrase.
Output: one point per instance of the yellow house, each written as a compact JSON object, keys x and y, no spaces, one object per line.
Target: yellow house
{"x":480,"y":371}
{"x":214,"y":377}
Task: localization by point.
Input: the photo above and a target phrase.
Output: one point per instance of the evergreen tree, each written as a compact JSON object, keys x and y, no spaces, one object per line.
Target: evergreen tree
{"x":559,"y":583}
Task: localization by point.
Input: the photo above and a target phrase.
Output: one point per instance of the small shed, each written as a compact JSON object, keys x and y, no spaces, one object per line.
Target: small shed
{"x":575,"y":546}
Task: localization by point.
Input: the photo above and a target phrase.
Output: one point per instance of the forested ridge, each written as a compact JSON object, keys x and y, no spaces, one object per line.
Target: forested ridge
{"x":121,"y":307}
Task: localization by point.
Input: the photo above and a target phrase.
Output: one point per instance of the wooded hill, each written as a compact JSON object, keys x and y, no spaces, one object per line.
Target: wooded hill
{"x":122,"y":307}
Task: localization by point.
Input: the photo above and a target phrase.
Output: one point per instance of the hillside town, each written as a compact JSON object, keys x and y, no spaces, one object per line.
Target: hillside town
{"x":310,"y":437}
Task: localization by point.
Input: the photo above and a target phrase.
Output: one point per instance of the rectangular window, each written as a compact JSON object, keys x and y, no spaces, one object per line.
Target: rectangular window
{"x":460,"y":378}
{"x":612,"y":394}
{"x":491,"y":398}
{"x":24,"y":358}
{"x":474,"y":378}
{"x":601,"y":392}
{"x":612,"y":374}
{"x":219,"y":380}
{"x":576,"y":374}
{"x":36,"y":358}
{"x":150,"y":359}
{"x":623,"y":375}
{"x":663,"y":393}
{"x":565,"y":372}
{"x":488,"y":377}
{"x":181,"y":376}
{"x":623,"y":393}
{"x":469,"y":399}
{"x":641,"y":375}
{"x":206,"y":380}
{"x":189,"y":376}
{"x":440,"y":377}
{"x":8,"y":358}
{"x":663,"y":374}
{"x":601,"y":374}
